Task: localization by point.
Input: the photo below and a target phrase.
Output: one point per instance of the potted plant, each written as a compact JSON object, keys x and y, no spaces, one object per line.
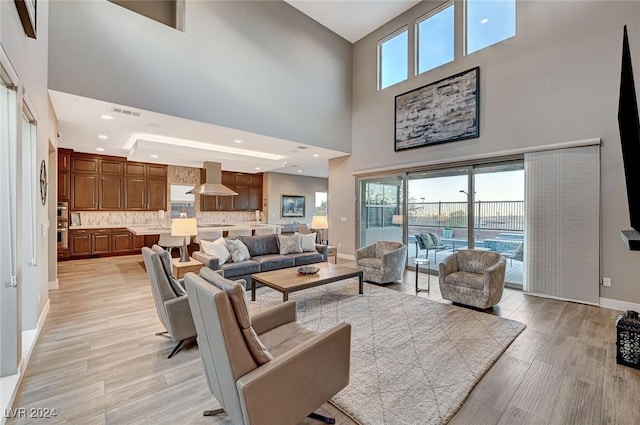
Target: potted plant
{"x":447,"y":232}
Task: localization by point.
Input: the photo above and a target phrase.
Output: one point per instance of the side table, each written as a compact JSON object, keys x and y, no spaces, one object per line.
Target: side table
{"x":332,"y":251}
{"x":425,"y":262}
{"x":180,"y":269}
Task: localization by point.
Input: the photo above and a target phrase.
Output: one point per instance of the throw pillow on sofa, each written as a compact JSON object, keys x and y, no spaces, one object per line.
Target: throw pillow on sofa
{"x":290,"y":244}
{"x":239,"y":251}
{"x":308,"y":242}
{"x":217,"y":248}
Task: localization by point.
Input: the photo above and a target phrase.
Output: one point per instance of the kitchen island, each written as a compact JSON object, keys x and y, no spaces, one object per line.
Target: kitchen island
{"x":150,"y":229}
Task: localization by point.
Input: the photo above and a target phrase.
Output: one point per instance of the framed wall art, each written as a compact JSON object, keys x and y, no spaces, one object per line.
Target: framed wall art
{"x":444,"y":111}
{"x":292,"y":206}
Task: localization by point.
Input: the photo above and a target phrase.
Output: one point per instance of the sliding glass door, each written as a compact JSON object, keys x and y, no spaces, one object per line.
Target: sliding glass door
{"x":438,"y":212}
{"x":381,"y":212}
{"x":499,"y":214}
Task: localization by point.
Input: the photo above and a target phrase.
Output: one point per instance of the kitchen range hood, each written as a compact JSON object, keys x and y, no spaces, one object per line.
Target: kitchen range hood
{"x":213,"y":185}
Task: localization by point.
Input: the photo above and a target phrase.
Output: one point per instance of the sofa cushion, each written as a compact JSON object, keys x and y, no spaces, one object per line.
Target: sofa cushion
{"x":470,"y":280}
{"x":165,"y":259}
{"x":238,"y":250}
{"x":217,"y":248}
{"x":289,"y":244}
{"x":238,"y":298}
{"x":308,"y":242}
{"x":304,"y":258}
{"x":242,"y":268}
{"x":261,"y":245}
{"x":372,"y":263}
{"x":274,"y":261}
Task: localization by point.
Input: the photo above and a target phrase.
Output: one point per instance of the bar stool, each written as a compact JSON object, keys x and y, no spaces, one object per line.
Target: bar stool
{"x":169,"y":242}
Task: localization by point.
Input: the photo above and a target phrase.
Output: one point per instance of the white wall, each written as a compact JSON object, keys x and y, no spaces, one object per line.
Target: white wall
{"x":278,"y":184}
{"x":258,"y":66}
{"x":556,"y":81}
{"x":29,"y":59}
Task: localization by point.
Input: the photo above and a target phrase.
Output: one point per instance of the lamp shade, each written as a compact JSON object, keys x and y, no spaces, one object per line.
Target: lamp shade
{"x":184,"y":227}
{"x":397,"y":219}
{"x":319,"y":222}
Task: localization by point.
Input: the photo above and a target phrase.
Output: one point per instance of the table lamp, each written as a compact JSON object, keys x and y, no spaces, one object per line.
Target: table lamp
{"x":185,"y":227}
{"x":319,"y":222}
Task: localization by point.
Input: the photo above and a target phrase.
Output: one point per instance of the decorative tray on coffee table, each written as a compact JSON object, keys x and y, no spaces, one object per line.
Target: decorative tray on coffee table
{"x":308,"y":269}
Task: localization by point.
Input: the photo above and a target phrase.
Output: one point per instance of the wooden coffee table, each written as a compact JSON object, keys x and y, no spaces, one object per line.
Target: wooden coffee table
{"x":289,"y":280}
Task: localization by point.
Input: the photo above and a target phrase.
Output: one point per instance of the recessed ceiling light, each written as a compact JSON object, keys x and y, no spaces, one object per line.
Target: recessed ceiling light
{"x":106,"y":117}
{"x":315,"y":155}
{"x":100,"y":149}
{"x":103,"y":136}
{"x":258,"y":168}
{"x":299,"y":171}
{"x":237,"y":141}
{"x":484,"y":20}
{"x":285,"y":163}
{"x":154,"y":156}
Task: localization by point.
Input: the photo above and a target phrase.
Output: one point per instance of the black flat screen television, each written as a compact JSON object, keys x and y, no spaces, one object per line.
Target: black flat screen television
{"x":629,"y":126}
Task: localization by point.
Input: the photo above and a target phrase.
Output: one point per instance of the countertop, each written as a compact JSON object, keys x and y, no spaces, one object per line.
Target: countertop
{"x":154,"y":229}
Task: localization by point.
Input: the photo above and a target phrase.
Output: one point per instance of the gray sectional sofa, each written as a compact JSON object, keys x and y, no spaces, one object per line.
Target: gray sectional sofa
{"x":265,"y":256}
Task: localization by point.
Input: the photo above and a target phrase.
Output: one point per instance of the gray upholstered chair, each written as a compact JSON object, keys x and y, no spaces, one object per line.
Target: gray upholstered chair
{"x":266,"y":369}
{"x":382,"y":261}
{"x":169,"y":296}
{"x":473,"y":277}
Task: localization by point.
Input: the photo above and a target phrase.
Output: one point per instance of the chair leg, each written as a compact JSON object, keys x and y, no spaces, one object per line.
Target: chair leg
{"x":163,"y":333}
{"x":213,"y":412}
{"x":321,"y":418}
{"x":176,"y":348}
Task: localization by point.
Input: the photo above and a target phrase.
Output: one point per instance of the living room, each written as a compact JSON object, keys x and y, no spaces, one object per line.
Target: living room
{"x":268,"y":69}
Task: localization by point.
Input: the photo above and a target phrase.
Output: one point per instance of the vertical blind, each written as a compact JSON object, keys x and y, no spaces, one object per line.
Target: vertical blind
{"x":562,"y":237}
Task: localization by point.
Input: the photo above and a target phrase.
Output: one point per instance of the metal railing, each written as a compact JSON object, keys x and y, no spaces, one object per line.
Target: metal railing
{"x":502,"y":215}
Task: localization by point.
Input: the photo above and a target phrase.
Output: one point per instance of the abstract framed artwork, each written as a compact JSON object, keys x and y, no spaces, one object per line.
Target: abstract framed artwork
{"x":292,"y":206}
{"x":445,"y":111}
{"x":27,"y":13}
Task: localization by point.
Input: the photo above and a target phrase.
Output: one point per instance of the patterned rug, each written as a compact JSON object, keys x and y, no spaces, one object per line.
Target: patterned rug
{"x":413,"y":361}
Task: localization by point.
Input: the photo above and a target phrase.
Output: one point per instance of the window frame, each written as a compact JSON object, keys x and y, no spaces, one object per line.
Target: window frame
{"x":404,"y":28}
{"x":465,"y":29}
{"x":416,"y":43}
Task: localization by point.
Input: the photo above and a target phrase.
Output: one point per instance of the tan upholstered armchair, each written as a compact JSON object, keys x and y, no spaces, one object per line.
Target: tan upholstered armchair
{"x":169,"y":296}
{"x":473,"y":277}
{"x":266,"y":369}
{"x":382,"y":261}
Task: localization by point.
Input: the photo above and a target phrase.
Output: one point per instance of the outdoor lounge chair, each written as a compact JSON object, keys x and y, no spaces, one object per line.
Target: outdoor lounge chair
{"x":429,"y":241}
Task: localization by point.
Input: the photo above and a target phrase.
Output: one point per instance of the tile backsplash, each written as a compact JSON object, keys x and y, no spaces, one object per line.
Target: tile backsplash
{"x":152,"y":217}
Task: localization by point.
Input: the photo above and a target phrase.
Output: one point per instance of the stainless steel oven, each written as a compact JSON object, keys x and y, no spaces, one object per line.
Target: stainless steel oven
{"x":63,"y":225}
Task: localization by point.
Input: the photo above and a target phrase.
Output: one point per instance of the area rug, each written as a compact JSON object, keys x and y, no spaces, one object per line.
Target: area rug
{"x":413,"y":361}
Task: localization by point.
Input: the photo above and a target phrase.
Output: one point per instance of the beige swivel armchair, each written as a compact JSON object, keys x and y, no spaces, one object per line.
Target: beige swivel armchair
{"x":170,"y":298}
{"x":382,"y":261}
{"x":266,"y":369}
{"x":473,"y":277}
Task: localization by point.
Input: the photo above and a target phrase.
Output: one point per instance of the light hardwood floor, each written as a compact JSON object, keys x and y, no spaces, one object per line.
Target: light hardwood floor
{"x":97,"y":360}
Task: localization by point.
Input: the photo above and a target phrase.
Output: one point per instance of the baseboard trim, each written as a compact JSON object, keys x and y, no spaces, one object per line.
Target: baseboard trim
{"x":53,"y":285}
{"x":618,"y":305}
{"x":9,"y":384}
{"x":553,"y":297}
{"x":347,"y":257}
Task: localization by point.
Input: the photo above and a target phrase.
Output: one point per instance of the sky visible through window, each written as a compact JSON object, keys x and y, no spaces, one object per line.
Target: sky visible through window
{"x":394,"y":60}
{"x":503,"y":186}
{"x":435,"y":40}
{"x":489,"y":22}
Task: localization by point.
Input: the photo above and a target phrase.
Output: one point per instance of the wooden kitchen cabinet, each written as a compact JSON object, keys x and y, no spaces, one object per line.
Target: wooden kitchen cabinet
{"x":255,"y":198}
{"x":82,"y":164}
{"x":156,"y":171}
{"x":89,"y":242}
{"x":122,"y":241}
{"x":135,"y":169}
{"x":64,"y":160}
{"x":135,"y":193}
{"x":84,"y":193}
{"x":111,"y":166}
{"x":156,"y":194}
{"x":111,"y":195}
{"x":64,"y":186}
